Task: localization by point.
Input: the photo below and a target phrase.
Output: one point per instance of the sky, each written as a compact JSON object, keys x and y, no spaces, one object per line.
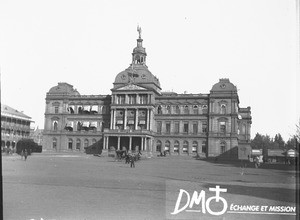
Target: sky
{"x":190,"y":45}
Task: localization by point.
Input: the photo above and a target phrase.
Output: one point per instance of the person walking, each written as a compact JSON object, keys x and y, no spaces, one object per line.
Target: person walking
{"x":132,"y":161}
{"x":25,"y":154}
{"x":22,"y":154}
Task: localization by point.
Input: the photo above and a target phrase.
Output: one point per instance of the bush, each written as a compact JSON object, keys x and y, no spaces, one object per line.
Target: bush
{"x":29,"y":145}
{"x":95,"y":148}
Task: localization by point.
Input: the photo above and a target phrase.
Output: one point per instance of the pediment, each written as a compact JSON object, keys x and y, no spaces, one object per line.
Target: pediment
{"x":131,"y":87}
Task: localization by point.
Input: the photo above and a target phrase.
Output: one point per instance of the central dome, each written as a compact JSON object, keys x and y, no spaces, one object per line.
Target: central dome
{"x":137,"y":73}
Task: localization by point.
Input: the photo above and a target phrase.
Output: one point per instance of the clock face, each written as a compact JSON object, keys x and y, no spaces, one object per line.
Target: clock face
{"x":223,"y":86}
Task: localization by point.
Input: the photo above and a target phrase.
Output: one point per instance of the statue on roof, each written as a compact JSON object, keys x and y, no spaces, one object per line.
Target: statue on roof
{"x":139,"y":29}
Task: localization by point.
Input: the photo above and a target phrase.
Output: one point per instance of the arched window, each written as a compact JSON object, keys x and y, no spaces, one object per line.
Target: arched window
{"x":185,"y":147}
{"x":70,"y":144}
{"x":195,"y":146}
{"x":7,"y":144}
{"x":222,"y":147}
{"x":176,"y":146}
{"x":195,"y":109}
{"x":168,"y":109}
{"x":78,"y":144}
{"x":243,"y":129}
{"x":204,"y":147}
{"x":167,"y":146}
{"x":222,"y":127}
{"x":79,"y":124}
{"x":223,"y":109}
{"x":86,"y":143}
{"x":159,"y":111}
{"x":55,"y":125}
{"x":204,"y":109}
{"x":158,"y":146}
{"x":54,"y":143}
{"x":186,"y":109}
{"x":177,"y":110}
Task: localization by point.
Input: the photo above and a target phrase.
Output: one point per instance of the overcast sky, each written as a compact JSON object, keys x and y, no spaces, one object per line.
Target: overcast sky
{"x":190,"y":46}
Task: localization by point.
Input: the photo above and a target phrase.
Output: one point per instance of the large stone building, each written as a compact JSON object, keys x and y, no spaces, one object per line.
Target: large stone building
{"x":138,"y":115}
{"x":15,"y":125}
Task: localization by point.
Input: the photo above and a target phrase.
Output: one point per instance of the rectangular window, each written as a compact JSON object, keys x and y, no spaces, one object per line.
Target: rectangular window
{"x":144,"y":99}
{"x":56,"y":109}
{"x":176,"y":129}
{"x":168,"y":127}
{"x":222,"y":127}
{"x":186,"y":127}
{"x":132,"y":99}
{"x":121,"y":99}
{"x":204,"y":127}
{"x":195,"y":128}
{"x":158,"y":127}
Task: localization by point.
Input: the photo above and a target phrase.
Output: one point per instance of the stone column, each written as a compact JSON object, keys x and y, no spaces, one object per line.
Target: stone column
{"x":148,"y":119}
{"x":190,"y":148}
{"x":106,"y":143}
{"x":118,"y":142}
{"x":130,"y":143}
{"x":114,"y":119}
{"x":136,"y":118}
{"x":125,"y":119}
{"x":142,"y":143}
{"x":111,"y":118}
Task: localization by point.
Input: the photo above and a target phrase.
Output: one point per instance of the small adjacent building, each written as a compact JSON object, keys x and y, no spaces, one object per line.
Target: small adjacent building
{"x":138,"y":115}
{"x":15,"y":125}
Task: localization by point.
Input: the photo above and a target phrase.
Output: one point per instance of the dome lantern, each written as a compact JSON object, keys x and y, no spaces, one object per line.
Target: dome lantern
{"x":139,"y":52}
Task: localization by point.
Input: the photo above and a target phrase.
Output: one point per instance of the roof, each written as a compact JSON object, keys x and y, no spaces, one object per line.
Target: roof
{"x":63,"y":88}
{"x":11,"y":112}
{"x":276,"y":153}
{"x":224,"y":85}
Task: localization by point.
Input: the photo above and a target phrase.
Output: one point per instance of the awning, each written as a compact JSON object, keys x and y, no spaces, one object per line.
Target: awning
{"x":71,"y":108}
{"x":142,"y":122}
{"x":131,"y":122}
{"x":70,"y":124}
{"x":120,"y":122}
{"x":93,"y":124}
{"x":95,"y":108}
{"x":85,"y":124}
{"x":256,"y":152}
{"x":86,"y":108}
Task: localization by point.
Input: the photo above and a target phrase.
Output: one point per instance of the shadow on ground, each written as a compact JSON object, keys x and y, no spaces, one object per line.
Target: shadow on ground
{"x":248,"y":164}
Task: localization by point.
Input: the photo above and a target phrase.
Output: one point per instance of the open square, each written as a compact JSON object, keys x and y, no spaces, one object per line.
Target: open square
{"x":80,"y":186}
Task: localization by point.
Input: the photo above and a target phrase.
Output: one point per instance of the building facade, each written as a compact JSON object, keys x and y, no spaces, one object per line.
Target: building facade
{"x":15,"y":125}
{"x":138,"y":115}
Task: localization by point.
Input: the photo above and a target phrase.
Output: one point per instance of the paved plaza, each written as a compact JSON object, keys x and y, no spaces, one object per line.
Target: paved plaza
{"x":79,"y":186}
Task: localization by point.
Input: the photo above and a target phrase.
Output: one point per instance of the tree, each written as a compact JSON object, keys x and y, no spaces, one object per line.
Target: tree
{"x":279,"y":142}
{"x":29,"y":145}
{"x":290,"y":144}
{"x":257,"y":142}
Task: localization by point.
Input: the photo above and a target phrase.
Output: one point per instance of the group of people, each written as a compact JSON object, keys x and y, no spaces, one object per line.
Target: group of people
{"x":130,"y":158}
